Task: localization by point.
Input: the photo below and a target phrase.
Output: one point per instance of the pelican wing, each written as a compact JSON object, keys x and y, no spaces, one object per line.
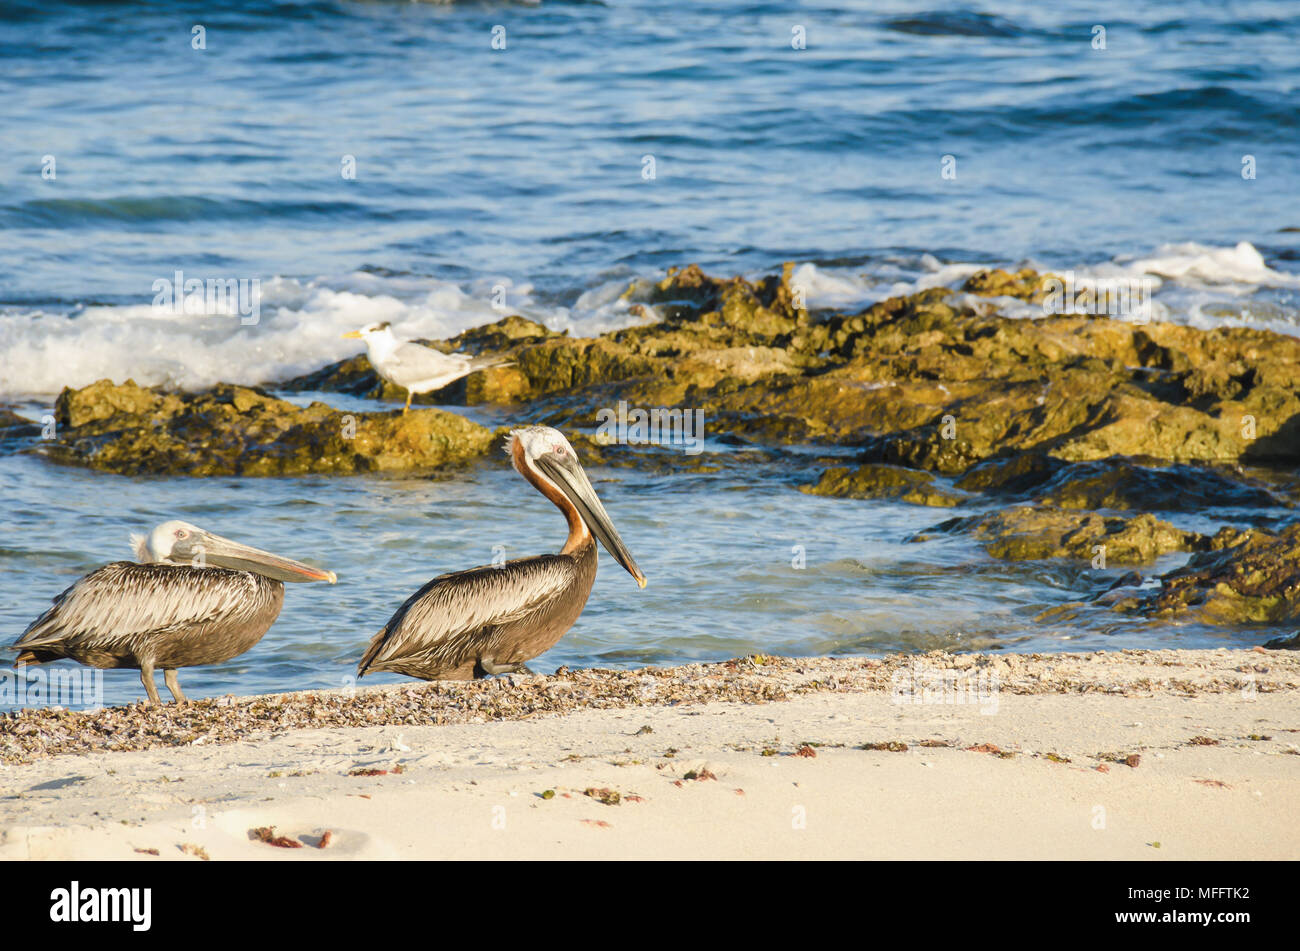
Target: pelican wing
{"x":123,"y":602}
{"x":452,"y":611}
{"x":415,"y":364}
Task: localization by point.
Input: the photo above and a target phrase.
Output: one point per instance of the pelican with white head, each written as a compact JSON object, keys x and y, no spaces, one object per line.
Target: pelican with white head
{"x":191,"y":598}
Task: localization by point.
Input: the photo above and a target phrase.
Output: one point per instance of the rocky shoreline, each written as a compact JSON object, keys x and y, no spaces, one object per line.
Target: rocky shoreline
{"x":1068,"y":436}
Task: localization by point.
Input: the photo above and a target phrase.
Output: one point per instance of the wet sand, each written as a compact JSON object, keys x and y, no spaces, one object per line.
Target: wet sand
{"x":1135,"y":754}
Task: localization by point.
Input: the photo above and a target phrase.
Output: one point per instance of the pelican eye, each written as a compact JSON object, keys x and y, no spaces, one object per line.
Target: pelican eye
{"x":559,"y":450}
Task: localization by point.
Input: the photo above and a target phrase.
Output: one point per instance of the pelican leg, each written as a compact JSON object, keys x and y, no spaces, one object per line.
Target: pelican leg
{"x":146,"y":678}
{"x":409,"y":394}
{"x":489,"y":666}
{"x":174,"y":685}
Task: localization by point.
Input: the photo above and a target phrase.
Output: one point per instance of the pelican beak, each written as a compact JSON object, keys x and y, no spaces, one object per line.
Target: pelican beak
{"x":565,"y":472}
{"x":225,"y":553}
{"x":352,"y":335}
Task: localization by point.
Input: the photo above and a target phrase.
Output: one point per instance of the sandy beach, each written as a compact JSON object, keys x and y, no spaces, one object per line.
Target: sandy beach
{"x":1128,"y":755}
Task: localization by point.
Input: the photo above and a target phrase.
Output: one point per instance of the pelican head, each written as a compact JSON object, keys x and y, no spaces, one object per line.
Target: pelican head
{"x":180,"y":543}
{"x":550,"y":459}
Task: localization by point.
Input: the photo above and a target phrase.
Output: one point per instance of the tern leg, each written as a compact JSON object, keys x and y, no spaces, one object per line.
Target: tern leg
{"x":174,"y":685}
{"x":409,"y":394}
{"x":146,"y":678}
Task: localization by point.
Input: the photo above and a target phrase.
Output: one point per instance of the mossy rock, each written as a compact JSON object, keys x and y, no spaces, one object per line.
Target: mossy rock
{"x":235,"y":430}
{"x":1025,"y":284}
{"x":875,"y":481}
{"x":104,"y":400}
{"x":1027,"y":533}
{"x":1243,"y":577}
{"x":500,"y":335}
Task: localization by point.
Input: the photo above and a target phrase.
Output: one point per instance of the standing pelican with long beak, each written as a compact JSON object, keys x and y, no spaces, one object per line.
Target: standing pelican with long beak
{"x":491,"y":620}
{"x":195,"y":598}
{"x":413,"y":366}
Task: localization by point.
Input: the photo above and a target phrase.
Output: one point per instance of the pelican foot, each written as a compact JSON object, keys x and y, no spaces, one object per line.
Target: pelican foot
{"x":487,"y":666}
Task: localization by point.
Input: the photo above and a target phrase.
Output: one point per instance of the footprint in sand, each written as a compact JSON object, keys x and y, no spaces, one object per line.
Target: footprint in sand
{"x":267,"y":834}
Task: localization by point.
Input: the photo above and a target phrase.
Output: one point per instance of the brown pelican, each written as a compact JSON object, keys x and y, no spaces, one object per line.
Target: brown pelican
{"x":413,"y":366}
{"x":194,"y":598}
{"x":491,"y":620}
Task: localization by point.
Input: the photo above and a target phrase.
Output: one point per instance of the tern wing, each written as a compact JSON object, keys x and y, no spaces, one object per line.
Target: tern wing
{"x":412,"y":364}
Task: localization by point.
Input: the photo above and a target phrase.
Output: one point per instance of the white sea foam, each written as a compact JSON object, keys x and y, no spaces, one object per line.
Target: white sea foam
{"x":300,"y":330}
{"x":1240,"y":269}
{"x":302,"y":322}
{"x":1195,"y":284}
{"x":846,"y":289}
{"x":826,"y":289}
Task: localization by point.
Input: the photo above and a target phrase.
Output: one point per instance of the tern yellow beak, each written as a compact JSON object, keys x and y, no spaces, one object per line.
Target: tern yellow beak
{"x":352,"y":335}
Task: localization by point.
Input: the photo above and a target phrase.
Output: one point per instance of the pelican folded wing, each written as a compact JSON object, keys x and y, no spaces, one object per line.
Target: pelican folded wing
{"x":117,"y":612}
{"x":457,"y":619}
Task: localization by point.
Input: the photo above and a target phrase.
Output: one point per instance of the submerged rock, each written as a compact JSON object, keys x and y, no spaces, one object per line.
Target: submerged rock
{"x":1016,"y":475}
{"x":1124,"y":484}
{"x":882,"y":482}
{"x":1250,"y":576}
{"x":13,"y":426}
{"x":1118,"y":483}
{"x":1026,"y":533}
{"x":235,"y":430}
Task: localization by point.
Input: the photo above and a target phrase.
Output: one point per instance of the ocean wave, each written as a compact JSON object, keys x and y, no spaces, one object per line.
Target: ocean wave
{"x":955,"y":23}
{"x":141,"y":210}
{"x":1240,"y":268}
{"x":299,"y":328}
